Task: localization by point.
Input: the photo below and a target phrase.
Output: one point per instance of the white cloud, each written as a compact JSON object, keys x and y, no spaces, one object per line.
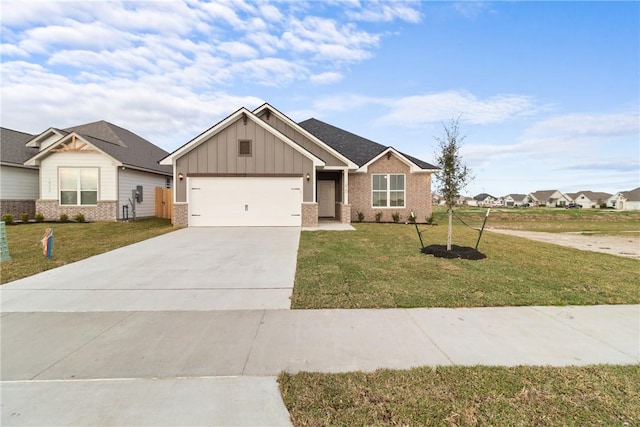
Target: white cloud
{"x":386,"y":11}
{"x":238,"y":50}
{"x":438,"y":107}
{"x":326,"y":78}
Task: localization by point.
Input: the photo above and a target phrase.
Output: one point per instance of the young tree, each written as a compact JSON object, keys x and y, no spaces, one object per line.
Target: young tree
{"x":454,"y":175}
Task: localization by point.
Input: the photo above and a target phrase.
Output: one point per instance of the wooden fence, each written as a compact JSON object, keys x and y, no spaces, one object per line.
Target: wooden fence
{"x":164,"y":203}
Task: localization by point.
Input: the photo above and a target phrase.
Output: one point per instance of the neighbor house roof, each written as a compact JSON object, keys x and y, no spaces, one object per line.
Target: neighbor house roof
{"x":125,"y":146}
{"x":544,"y":195}
{"x":591,"y":195}
{"x":358,"y":149}
{"x":483,"y":196}
{"x":632,"y":195}
{"x":516,"y":196}
{"x":13,"y":150}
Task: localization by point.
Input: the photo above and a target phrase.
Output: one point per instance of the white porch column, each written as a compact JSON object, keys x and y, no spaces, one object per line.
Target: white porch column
{"x":345,"y":186}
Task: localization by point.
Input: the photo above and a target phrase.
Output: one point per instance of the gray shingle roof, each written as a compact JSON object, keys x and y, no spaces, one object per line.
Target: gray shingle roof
{"x":12,"y":147}
{"x":123,"y":145}
{"x":632,"y":195}
{"x":356,"y":148}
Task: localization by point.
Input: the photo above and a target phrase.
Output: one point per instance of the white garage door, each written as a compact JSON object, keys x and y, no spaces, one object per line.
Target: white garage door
{"x":274,"y":202}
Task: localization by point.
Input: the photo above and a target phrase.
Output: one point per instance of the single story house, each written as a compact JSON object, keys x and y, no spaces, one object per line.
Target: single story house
{"x":625,"y":200}
{"x":19,"y":183}
{"x":589,"y":199}
{"x":485,"y":199}
{"x":549,"y":198}
{"x":97,"y":169}
{"x":260,"y":168}
{"x":514,"y":200}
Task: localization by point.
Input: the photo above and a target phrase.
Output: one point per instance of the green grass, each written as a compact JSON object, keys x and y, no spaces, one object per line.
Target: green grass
{"x":593,"y":221}
{"x":381,"y":266}
{"x":71,"y":242}
{"x":466,"y":396}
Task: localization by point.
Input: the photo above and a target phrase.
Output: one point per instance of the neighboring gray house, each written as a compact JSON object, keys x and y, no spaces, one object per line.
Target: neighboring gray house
{"x":514,"y":200}
{"x":589,"y":199}
{"x":625,"y":200}
{"x":260,"y":168}
{"x":549,"y":198}
{"x":96,"y":169}
{"x":18,"y":183}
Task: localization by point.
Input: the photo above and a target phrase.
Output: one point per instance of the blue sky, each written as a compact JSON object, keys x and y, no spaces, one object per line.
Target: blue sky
{"x":547,"y":92}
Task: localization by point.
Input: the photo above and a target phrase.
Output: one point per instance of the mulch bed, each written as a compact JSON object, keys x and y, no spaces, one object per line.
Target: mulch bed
{"x":462,"y":252}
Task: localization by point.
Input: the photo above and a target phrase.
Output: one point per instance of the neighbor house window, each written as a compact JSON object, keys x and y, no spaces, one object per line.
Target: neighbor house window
{"x":388,"y":191}
{"x":78,"y":186}
{"x":244,"y":148}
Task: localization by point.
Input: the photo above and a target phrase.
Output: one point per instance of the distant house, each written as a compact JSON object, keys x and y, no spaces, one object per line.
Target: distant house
{"x":514,"y":200}
{"x":19,"y":183}
{"x":625,"y":200}
{"x":484,"y":199}
{"x":589,"y":199}
{"x":96,"y":170}
{"x":549,"y":198}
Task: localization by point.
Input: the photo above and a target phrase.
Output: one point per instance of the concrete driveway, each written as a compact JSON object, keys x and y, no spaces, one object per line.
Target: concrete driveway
{"x":235,"y":268}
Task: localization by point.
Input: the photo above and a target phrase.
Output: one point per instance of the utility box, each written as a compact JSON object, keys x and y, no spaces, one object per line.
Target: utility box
{"x":139,"y":194}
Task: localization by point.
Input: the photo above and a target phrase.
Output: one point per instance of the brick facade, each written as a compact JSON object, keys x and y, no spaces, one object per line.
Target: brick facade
{"x":18,"y":207}
{"x":180,"y":215}
{"x":105,"y":210}
{"x":417,"y":191}
{"x":343,"y":213}
{"x":309,"y":214}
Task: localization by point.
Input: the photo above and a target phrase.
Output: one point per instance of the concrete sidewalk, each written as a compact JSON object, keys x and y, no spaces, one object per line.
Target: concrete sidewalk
{"x":264,"y":343}
{"x":106,"y":368}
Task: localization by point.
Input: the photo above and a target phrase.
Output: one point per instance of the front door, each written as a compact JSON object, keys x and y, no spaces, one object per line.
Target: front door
{"x":327,"y":199}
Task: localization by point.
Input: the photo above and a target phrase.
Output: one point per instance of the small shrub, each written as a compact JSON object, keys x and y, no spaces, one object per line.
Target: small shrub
{"x":360,"y":216}
{"x":396,"y":217}
{"x":429,"y":219}
{"x":378,"y":216}
{"x":24,"y":217}
{"x":78,"y":217}
{"x":64,"y":218}
{"x":412,"y":218}
{"x":39,"y":217}
{"x":8,"y":219}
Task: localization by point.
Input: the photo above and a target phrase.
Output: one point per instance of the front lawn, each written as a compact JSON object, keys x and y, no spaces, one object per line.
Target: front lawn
{"x":71,"y":242}
{"x":466,"y":396}
{"x":381,"y":266}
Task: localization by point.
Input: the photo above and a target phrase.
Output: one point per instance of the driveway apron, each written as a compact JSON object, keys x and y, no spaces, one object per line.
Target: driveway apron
{"x":206,"y":268}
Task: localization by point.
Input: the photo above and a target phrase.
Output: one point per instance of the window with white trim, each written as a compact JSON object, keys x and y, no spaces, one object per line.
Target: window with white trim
{"x":388,"y":190}
{"x":78,"y":186}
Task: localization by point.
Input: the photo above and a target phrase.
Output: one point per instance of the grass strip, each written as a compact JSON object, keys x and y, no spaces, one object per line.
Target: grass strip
{"x":71,"y":242}
{"x":381,"y":266}
{"x":466,"y":396}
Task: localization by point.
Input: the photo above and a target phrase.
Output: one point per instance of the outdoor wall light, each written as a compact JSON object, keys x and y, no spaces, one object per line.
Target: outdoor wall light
{"x":180,"y":176}
{"x":308,"y":177}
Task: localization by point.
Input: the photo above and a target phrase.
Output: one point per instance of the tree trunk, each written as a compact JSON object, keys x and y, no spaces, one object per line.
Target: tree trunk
{"x":450,"y":226}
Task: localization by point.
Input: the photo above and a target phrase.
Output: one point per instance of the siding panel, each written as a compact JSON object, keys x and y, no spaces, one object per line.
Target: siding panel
{"x":18,"y":183}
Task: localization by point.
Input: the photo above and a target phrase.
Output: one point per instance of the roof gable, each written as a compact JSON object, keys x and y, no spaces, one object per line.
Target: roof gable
{"x":269,"y":109}
{"x":359,"y":150}
{"x":243,"y":114}
{"x":124,"y":146}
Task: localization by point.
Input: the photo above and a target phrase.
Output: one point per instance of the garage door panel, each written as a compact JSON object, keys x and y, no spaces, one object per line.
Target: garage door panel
{"x":245,"y":201}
